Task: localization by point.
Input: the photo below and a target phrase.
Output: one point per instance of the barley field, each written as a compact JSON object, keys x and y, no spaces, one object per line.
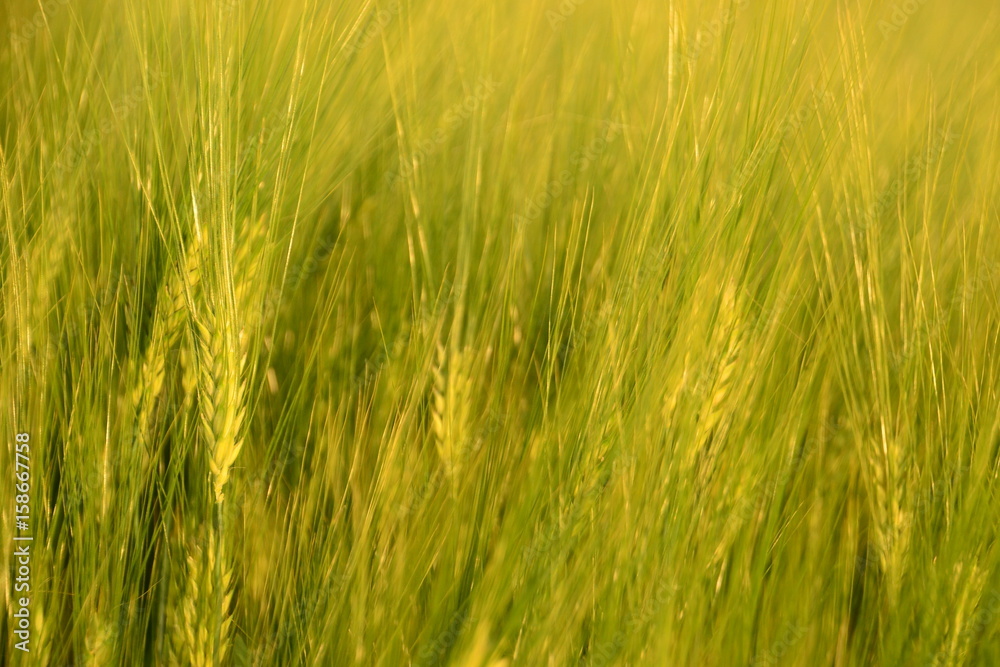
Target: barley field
{"x":500,"y":333}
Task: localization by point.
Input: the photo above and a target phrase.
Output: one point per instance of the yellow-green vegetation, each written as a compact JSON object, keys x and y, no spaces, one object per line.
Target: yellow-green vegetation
{"x":498,"y":333}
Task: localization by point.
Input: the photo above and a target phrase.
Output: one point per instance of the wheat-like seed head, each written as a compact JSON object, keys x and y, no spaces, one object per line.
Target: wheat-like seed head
{"x":221,"y":396}
{"x":42,"y":633}
{"x":972,"y":613}
{"x":99,"y":642}
{"x":440,"y":401}
{"x":43,"y":271}
{"x":450,"y":407}
{"x":189,"y":372}
{"x":891,"y":524}
{"x":728,"y":339}
{"x":248,"y":267}
{"x":195,"y":612}
{"x":168,"y":325}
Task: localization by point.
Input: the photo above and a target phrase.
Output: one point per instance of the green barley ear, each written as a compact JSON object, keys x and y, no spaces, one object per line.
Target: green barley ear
{"x":221,"y":395}
{"x":99,"y":642}
{"x":450,"y":407}
{"x":247,"y":264}
{"x":189,"y":373}
{"x":45,"y":634}
{"x":885,"y":463}
{"x":727,"y":342}
{"x":168,"y":325}
{"x":200,"y":603}
{"x":439,"y":405}
{"x":222,"y":592}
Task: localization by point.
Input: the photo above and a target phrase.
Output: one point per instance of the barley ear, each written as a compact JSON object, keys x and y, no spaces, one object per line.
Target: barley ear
{"x":168,"y":324}
{"x":201,"y":601}
{"x":450,"y":408}
{"x":220,"y":397}
{"x":727,"y":342}
{"x":439,"y":407}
